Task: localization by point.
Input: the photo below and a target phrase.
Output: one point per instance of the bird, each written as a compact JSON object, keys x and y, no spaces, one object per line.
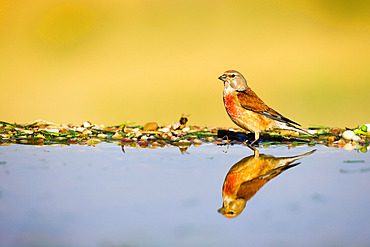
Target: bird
{"x":248,"y":175}
{"x":248,"y":111}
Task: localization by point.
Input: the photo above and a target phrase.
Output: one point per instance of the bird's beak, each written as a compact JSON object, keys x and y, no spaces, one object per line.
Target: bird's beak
{"x":221,"y":210}
{"x":222,"y":78}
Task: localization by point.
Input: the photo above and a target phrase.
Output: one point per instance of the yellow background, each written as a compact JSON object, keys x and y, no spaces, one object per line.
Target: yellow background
{"x":116,"y":61}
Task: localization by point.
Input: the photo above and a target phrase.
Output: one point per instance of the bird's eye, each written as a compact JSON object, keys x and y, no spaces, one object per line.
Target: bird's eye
{"x":232,"y":75}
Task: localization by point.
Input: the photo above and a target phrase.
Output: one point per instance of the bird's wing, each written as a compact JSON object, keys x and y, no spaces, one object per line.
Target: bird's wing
{"x":250,"y":101}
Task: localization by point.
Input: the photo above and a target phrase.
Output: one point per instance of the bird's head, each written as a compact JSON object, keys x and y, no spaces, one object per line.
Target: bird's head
{"x":233,"y":208}
{"x":234,"y":79}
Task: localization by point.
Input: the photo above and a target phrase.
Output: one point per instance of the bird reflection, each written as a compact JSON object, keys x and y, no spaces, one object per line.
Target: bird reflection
{"x":248,"y":175}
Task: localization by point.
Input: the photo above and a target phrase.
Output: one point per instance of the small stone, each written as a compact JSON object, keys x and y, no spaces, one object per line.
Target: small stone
{"x":186,"y":129}
{"x":80,"y":129}
{"x":356,"y":138}
{"x":334,"y":131}
{"x":175,"y":125}
{"x":348,"y":135}
{"x":143,"y":144}
{"x":197,"y":128}
{"x":312,"y":132}
{"x":348,"y":147}
{"x":52,"y":130}
{"x":72,"y":140}
{"x":137,"y":132}
{"x":167,"y":135}
{"x":164,"y":130}
{"x":151,"y":126}
{"x":40,"y":136}
{"x":126,"y":140}
{"x":155,"y":144}
{"x":184,"y":143}
{"x":161,"y":143}
{"x":86,"y":124}
{"x":332,"y":138}
{"x":210,"y":139}
{"x":86,"y":132}
{"x":341,"y":143}
{"x":97,"y":127}
{"x":197,"y":142}
{"x":117,"y":136}
{"x":144,"y":138}
{"x":103,"y":136}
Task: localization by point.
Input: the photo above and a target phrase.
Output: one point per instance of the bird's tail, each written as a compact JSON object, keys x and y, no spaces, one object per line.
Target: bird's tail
{"x":284,"y":163}
{"x":291,"y":127}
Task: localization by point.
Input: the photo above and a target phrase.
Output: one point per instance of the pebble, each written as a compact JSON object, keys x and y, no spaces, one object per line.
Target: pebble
{"x":80,"y":129}
{"x":175,"y":125}
{"x":137,"y":132}
{"x":143,"y":144}
{"x":210,"y":138}
{"x":151,"y":126}
{"x":167,"y":135}
{"x":197,"y":142}
{"x":161,"y":143}
{"x":86,"y":124}
{"x":97,"y":127}
{"x":312,"y":132}
{"x":348,"y":147}
{"x":356,"y":138}
{"x":126,"y":140}
{"x":117,"y":136}
{"x":184,"y":143}
{"x":348,"y":135}
{"x":164,"y":130}
{"x":186,"y":129}
{"x":86,"y":132}
{"x":40,"y":136}
{"x":197,"y":128}
{"x":341,"y":143}
{"x":144,"y":138}
{"x":334,"y":131}
{"x":102,"y":136}
{"x":332,"y":138}
{"x":52,"y":130}
{"x":155,"y":144}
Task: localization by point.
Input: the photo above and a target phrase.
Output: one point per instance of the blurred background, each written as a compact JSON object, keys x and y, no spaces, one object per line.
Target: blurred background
{"x":148,"y":60}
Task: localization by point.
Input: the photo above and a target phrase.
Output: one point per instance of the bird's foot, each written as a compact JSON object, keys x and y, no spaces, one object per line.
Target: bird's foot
{"x":255,"y":151}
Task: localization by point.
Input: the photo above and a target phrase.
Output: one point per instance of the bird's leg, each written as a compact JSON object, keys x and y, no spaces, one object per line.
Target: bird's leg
{"x":256,"y":154}
{"x":256,"y":137}
{"x":228,"y":144}
{"x":255,"y":151}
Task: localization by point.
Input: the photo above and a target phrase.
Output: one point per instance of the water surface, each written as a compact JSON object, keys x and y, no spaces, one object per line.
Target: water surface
{"x":100,"y":196}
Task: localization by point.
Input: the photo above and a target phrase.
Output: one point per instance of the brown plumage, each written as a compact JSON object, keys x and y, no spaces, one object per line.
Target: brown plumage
{"x":247,"y":176}
{"x":248,"y":111}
